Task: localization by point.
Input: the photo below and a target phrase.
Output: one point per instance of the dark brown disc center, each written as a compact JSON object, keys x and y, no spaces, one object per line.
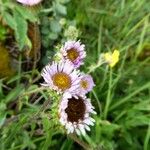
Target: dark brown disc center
{"x":76,"y":109}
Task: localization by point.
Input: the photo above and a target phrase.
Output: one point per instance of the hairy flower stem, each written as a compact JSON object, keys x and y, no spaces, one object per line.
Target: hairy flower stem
{"x":81,"y":143}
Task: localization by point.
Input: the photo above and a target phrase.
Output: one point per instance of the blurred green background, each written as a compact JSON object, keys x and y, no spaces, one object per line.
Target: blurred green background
{"x":29,"y":38}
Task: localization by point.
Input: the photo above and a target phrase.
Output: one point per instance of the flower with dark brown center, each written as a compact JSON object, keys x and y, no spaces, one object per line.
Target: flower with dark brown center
{"x":75,"y":110}
{"x":74,"y":52}
{"x":74,"y":114}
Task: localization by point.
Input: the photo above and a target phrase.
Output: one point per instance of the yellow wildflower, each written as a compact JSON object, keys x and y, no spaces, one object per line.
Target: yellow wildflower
{"x":112,"y":58}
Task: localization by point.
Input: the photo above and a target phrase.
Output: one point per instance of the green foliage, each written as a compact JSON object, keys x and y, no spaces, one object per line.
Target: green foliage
{"x":53,"y":26}
{"x":121,"y":96}
{"x":3,"y":32}
{"x":21,"y":29}
{"x":17,"y":17}
{"x":59,"y":8}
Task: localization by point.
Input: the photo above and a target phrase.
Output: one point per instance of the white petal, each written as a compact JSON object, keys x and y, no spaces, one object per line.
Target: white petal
{"x":87,"y":127}
{"x":78,"y":131}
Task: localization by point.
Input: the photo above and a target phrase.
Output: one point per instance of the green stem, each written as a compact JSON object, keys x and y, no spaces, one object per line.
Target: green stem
{"x":98,"y":101}
{"x":34,"y":91}
{"x":108,"y":99}
{"x":81,"y":143}
{"x":95,"y":66}
{"x":19,"y":69}
{"x":104,"y":78}
{"x":147,"y":138}
{"x":124,"y":100}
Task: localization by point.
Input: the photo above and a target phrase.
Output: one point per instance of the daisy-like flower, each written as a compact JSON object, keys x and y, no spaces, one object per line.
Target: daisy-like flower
{"x":74,"y":114}
{"x":112,"y":59}
{"x":29,"y":2}
{"x":74,"y":52}
{"x":62,"y":77}
{"x":86,"y":84}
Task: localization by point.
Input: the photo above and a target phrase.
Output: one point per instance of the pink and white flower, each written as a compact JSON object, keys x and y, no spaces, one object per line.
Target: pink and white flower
{"x":74,"y":114}
{"x":29,"y":2}
{"x":74,"y":52}
{"x":62,"y":77}
{"x":86,"y":84}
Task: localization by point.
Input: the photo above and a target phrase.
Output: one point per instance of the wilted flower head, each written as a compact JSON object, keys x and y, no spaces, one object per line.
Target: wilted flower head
{"x":29,"y":2}
{"x":112,"y":59}
{"x":61,"y":76}
{"x":74,"y":114}
{"x":86,"y":84}
{"x":74,"y":52}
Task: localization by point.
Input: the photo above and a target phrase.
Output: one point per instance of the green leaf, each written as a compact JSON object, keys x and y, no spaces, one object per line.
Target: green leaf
{"x":64,"y":1}
{"x":55,"y":26}
{"x":46,"y":124}
{"x":137,"y":120}
{"x":2,"y":107}
{"x":127,"y":137}
{"x":60,"y":9}
{"x":143,"y":105}
{"x":14,"y":93}
{"x":9,"y":20}
{"x":21,"y":29}
{"x":53,"y":36}
{"x":26,"y":13}
{"x":45,"y":30}
{"x":1,"y":90}
{"x":2,"y":118}
{"x":27,"y":142}
{"x":67,"y":144}
{"x":32,"y":87}
{"x":3,"y":32}
{"x":109,"y":128}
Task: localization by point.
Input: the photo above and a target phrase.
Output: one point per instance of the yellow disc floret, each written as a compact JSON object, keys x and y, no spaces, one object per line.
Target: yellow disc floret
{"x":62,"y":80}
{"x":84,"y":84}
{"x":72,"y":54}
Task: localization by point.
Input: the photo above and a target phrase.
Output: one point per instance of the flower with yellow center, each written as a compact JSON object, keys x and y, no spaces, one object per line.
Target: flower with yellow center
{"x":62,"y":77}
{"x":86,"y":84}
{"x":74,"y":52}
{"x":112,"y":58}
{"x":61,"y":80}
